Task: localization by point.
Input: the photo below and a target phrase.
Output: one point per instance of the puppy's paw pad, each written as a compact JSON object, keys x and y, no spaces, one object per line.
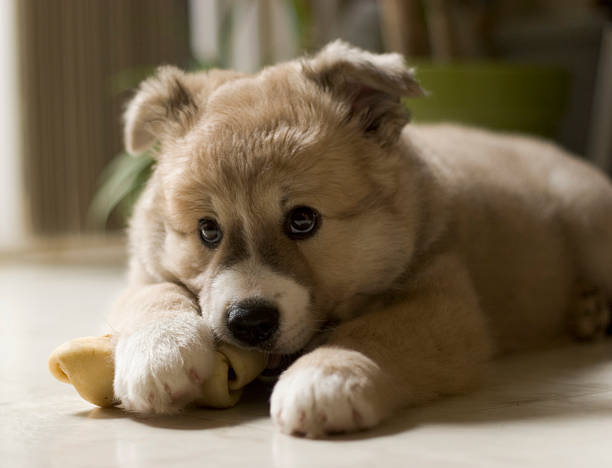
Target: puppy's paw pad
{"x":314,"y":402}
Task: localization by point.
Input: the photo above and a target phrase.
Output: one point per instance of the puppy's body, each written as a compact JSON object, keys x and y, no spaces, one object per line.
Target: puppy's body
{"x":435,"y":247}
{"x":531,"y":223}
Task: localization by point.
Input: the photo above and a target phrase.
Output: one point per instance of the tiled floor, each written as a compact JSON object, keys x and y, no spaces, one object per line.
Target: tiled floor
{"x":549,"y":409}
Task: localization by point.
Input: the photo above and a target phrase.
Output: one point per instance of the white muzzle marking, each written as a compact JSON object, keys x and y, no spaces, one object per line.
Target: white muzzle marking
{"x":248,"y":280}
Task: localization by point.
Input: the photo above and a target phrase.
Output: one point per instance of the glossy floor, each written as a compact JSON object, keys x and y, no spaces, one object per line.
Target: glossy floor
{"x":548,"y":409}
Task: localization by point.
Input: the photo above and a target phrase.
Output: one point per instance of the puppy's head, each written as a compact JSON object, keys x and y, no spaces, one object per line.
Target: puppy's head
{"x":275,"y":196}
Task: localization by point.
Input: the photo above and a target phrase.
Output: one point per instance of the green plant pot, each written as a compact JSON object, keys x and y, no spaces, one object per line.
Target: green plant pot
{"x":523,"y":98}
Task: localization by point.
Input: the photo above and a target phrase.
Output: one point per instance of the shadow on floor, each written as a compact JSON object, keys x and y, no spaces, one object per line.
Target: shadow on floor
{"x":253,"y":405}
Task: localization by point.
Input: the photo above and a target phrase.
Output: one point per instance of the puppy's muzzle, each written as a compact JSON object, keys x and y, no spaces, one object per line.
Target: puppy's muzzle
{"x":252,"y":321}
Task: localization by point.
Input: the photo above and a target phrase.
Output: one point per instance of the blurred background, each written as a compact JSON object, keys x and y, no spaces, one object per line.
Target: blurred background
{"x":68,"y":66}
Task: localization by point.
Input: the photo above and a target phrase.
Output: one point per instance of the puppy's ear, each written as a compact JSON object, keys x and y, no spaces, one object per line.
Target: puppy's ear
{"x":371,"y":85}
{"x":164,"y":105}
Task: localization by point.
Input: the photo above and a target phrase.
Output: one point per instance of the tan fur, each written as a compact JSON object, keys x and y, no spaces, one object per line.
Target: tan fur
{"x":438,"y":247}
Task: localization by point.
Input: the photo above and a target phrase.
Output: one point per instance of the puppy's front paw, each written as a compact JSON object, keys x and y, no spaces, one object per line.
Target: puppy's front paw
{"x":160,"y":367}
{"x":318,"y":399}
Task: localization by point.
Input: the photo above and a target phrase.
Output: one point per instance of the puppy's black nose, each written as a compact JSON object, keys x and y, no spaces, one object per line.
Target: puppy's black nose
{"x":252,"y":321}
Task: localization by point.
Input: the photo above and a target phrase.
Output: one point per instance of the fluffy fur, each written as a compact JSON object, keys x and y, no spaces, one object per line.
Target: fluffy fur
{"x":439,"y":246}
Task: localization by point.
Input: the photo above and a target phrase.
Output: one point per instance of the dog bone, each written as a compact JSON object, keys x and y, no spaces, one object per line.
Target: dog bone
{"x":88,"y":364}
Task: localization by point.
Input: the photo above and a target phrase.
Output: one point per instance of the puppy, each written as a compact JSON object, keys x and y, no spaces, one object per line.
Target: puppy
{"x":296,"y":206}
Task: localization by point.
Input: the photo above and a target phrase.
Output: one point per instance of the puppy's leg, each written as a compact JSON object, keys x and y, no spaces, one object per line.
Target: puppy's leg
{"x":164,"y":348}
{"x":434,"y":342}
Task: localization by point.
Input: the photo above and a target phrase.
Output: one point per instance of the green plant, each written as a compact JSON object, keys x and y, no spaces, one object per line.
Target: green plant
{"x":120,"y":185}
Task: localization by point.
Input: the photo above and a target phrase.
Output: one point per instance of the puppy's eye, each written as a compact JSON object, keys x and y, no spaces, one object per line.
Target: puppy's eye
{"x":210,"y":232}
{"x":302,"y":222}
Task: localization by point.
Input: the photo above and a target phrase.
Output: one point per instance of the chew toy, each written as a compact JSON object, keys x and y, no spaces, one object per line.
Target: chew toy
{"x":88,"y":364}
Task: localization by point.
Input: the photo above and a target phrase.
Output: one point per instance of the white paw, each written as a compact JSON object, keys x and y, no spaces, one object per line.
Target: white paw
{"x":314,"y":401}
{"x":160,"y":367}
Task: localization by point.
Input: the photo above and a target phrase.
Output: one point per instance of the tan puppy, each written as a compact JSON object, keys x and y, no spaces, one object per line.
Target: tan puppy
{"x":296,"y":201}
